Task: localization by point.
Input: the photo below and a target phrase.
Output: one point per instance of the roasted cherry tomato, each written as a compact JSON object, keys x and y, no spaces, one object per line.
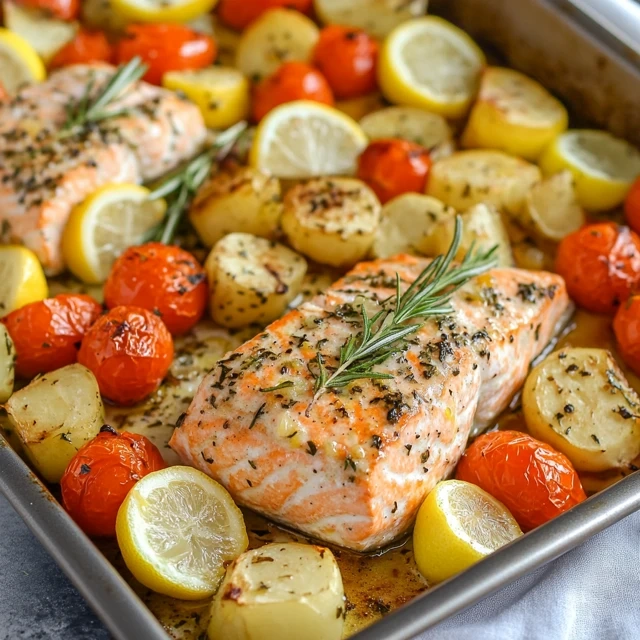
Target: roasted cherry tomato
{"x":347,"y":57}
{"x":239,"y":13}
{"x":534,"y":481}
{"x":632,"y":206}
{"x":292,"y":81}
{"x":166,"y":47}
{"x":63,"y":9}
{"x":47,"y":333}
{"x":626,"y":326}
{"x":87,"y":46}
{"x":601,"y":265}
{"x":129,"y":350}
{"x":100,"y":475}
{"x":160,"y":278}
{"x":392,"y":167}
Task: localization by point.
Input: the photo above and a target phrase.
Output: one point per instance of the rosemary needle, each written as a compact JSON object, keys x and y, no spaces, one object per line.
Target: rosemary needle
{"x":428,"y":295}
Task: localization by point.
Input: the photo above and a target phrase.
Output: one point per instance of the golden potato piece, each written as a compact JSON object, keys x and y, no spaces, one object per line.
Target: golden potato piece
{"x":7,"y":364}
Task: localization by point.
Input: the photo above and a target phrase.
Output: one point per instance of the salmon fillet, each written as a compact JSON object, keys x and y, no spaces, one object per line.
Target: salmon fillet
{"x":354,"y":468}
{"x":43,"y":176}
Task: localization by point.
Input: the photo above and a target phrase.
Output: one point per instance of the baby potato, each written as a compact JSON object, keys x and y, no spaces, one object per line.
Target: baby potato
{"x":277,"y":36}
{"x":430,"y":130}
{"x":239,"y":199}
{"x":251,"y":279}
{"x":7,"y":364}
{"x":331,"y":220}
{"x":407,"y":225}
{"x":284,"y":590}
{"x":579,"y":402}
{"x":55,"y":415}
{"x":466,"y":178}
{"x":513,"y":113}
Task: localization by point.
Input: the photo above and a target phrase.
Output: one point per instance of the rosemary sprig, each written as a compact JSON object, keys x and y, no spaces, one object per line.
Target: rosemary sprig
{"x":428,"y":295}
{"x":93,"y":109}
{"x":181,"y":187}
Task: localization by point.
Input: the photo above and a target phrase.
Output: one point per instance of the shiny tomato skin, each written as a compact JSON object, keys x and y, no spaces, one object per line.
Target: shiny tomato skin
{"x":632,"y":206}
{"x":392,"y":167}
{"x":292,"y":81}
{"x":129,"y":350}
{"x":87,"y":46}
{"x":600,"y":264}
{"x":626,"y":326}
{"x":99,"y":476}
{"x":47,"y":333}
{"x":166,"y":47}
{"x":535,"y":482}
{"x":160,"y":278}
{"x":238,"y":14}
{"x":348,"y":58}
{"x":63,"y":9}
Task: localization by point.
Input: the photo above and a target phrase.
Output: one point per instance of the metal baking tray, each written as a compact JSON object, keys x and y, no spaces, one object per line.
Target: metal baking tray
{"x":588,"y":53}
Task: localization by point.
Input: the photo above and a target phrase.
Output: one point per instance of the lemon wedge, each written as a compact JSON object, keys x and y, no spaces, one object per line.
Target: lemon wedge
{"x":603,"y":166}
{"x":109,"y":221}
{"x":177,"y":528}
{"x":430,"y":64}
{"x":457,"y":525}
{"x":304,"y":139}
{"x":22,"y":279}
{"x":221,"y":93}
{"x":162,"y":10}
{"x":19,"y":62}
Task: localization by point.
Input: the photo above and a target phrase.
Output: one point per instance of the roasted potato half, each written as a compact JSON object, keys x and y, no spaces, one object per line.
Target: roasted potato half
{"x":252,"y":279}
{"x":7,"y":364}
{"x":513,"y":113}
{"x":241,"y":199}
{"x":284,"y":590}
{"x":579,"y":402}
{"x":331,"y":220}
{"x":277,"y":36}
{"x":466,"y":178}
{"x":408,"y":224}
{"x":55,"y":415}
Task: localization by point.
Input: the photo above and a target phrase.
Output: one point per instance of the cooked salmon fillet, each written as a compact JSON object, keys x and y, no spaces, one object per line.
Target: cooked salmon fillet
{"x":43,"y":176}
{"x":353,"y":467}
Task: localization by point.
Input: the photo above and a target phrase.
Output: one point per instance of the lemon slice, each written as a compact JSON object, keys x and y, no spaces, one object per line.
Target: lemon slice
{"x":109,"y":221}
{"x":603,"y":166}
{"x":22,"y":279}
{"x":431,"y":64}
{"x":162,"y":10}
{"x":457,"y":525}
{"x":177,"y":528}
{"x":221,"y":93}
{"x":304,"y":139}
{"x":19,"y":62}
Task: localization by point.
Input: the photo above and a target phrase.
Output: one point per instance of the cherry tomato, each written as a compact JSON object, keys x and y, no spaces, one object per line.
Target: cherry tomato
{"x":160,"y":278}
{"x":292,"y":81}
{"x":392,"y":167}
{"x":87,"y":46}
{"x":237,"y":14}
{"x":166,"y":47}
{"x":601,"y":265}
{"x":535,"y":482}
{"x":47,"y":333}
{"x":632,"y":206}
{"x":626,"y":326}
{"x":129,"y":350}
{"x":347,"y":57}
{"x":100,"y":475}
{"x":63,"y":9}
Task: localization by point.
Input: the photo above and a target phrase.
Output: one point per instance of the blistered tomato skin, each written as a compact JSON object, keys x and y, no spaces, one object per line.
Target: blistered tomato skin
{"x":601,"y":265}
{"x":87,"y":46}
{"x":535,"y":482}
{"x":101,"y":474}
{"x":129,"y":350}
{"x":47,"y":333}
{"x":626,"y":326}
{"x":238,"y":14}
{"x":163,"y":279}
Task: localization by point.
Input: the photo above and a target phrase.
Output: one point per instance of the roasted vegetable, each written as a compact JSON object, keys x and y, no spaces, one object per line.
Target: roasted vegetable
{"x":7,"y":364}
